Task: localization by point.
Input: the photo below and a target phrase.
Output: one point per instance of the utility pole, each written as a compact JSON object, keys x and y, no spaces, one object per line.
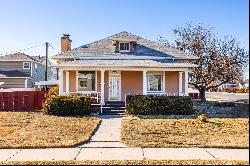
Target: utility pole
{"x":46,"y":61}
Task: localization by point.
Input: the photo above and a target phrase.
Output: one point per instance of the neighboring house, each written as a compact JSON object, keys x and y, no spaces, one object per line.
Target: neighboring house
{"x":246,"y":84}
{"x":19,"y":70}
{"x":122,"y":64}
{"x":233,"y":85}
{"x":51,"y":72}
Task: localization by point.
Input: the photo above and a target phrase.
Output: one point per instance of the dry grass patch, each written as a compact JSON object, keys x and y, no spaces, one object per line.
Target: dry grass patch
{"x":222,"y":133}
{"x":34,"y":130}
{"x":133,"y":162}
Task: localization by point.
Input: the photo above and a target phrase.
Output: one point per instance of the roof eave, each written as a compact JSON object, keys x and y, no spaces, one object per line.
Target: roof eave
{"x":80,"y":65}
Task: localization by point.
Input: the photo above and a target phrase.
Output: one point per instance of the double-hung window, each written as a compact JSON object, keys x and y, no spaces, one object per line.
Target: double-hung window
{"x":124,"y":47}
{"x":86,"y":81}
{"x":26,"y":65}
{"x":155,"y":81}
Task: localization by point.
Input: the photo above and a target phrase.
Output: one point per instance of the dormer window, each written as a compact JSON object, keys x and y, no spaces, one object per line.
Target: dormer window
{"x":124,"y":47}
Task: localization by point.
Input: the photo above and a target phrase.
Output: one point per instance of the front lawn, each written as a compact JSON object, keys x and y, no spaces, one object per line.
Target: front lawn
{"x":133,"y":162}
{"x":35,"y":130}
{"x":220,"y":133}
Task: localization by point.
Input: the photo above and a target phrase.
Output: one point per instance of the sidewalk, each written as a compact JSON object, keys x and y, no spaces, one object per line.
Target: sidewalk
{"x":78,"y":153}
{"x":105,"y":145}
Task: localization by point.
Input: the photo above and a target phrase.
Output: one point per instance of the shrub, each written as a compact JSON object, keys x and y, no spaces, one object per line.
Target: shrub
{"x":202,"y":118}
{"x":165,"y":105}
{"x":67,"y":105}
{"x":53,"y":91}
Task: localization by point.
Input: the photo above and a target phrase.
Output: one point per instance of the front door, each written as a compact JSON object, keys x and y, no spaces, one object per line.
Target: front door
{"x":114,"y":86}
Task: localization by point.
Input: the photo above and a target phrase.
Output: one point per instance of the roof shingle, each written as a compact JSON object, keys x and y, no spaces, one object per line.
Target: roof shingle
{"x":104,"y":47}
{"x":13,"y":73}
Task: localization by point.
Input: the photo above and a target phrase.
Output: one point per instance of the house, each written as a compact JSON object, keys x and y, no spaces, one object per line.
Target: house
{"x":246,"y":83}
{"x":243,"y":84}
{"x":122,"y":64}
{"x":51,"y":72}
{"x":19,"y":70}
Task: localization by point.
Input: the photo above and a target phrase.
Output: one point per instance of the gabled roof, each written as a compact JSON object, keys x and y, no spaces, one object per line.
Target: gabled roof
{"x":17,"y":57}
{"x":13,"y":73}
{"x":104,"y":47}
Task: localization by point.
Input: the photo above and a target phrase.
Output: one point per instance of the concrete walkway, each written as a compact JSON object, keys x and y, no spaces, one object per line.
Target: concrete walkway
{"x":108,"y":135}
{"x":105,"y":145}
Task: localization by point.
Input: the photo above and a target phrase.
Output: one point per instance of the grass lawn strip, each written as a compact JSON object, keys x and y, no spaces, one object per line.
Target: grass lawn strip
{"x":35,"y":130}
{"x":133,"y":162}
{"x":177,"y":133}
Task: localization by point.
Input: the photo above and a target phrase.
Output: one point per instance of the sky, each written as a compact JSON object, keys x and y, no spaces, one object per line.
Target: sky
{"x":30,"y":23}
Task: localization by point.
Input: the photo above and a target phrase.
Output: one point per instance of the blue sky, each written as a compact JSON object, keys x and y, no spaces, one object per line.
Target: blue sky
{"x":25,"y":23}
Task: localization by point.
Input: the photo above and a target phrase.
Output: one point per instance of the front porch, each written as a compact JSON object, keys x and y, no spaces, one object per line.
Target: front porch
{"x":113,"y":85}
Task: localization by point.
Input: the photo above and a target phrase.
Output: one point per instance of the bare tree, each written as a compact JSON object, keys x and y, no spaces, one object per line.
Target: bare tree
{"x":219,"y":60}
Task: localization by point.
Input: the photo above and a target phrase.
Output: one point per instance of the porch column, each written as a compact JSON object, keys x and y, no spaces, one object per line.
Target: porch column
{"x":102,"y":102}
{"x":144,"y":82}
{"x":102,"y":87}
{"x":76,"y":81}
{"x":180,"y":83}
{"x":67,"y":82}
{"x":60,"y":82}
{"x":186,"y":83}
{"x":26,"y":83}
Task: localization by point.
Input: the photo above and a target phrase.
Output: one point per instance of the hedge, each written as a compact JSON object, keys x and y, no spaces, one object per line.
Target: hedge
{"x":67,"y":105}
{"x":165,"y":105}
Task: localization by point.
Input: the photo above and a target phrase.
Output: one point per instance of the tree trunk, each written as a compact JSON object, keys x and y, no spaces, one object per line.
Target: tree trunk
{"x":202,"y":95}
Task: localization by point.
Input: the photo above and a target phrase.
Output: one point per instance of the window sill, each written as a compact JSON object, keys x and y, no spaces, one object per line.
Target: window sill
{"x":86,"y":92}
{"x":124,"y":51}
{"x":156,"y":92}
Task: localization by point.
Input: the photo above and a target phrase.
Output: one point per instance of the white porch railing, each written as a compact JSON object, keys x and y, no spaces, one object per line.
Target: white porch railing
{"x":94,"y":96}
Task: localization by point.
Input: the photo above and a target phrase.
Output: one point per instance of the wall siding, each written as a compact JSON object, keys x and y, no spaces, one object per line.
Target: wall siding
{"x":38,"y":74}
{"x":172,"y":82}
{"x":12,"y":83}
{"x":131,"y":83}
{"x":13,"y":65}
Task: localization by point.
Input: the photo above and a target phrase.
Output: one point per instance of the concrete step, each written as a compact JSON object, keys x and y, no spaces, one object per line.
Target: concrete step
{"x":112,"y":113}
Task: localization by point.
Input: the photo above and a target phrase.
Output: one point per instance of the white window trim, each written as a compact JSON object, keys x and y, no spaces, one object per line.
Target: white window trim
{"x":86,"y":92}
{"x":24,"y":63}
{"x":163,"y":86}
{"x":124,"y":50}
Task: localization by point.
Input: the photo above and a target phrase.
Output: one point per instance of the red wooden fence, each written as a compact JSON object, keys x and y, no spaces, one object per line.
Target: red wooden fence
{"x":21,"y":100}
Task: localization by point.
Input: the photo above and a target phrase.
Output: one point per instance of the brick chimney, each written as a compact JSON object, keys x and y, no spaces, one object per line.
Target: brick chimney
{"x":65,"y":43}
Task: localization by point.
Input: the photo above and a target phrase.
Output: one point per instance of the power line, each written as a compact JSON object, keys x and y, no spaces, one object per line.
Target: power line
{"x":21,"y":50}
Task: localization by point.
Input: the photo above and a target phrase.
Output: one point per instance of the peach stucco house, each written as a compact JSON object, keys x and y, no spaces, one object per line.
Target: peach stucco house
{"x":122,"y":64}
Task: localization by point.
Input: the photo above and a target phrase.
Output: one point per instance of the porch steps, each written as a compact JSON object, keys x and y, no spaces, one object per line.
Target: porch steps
{"x":113,"y":108}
